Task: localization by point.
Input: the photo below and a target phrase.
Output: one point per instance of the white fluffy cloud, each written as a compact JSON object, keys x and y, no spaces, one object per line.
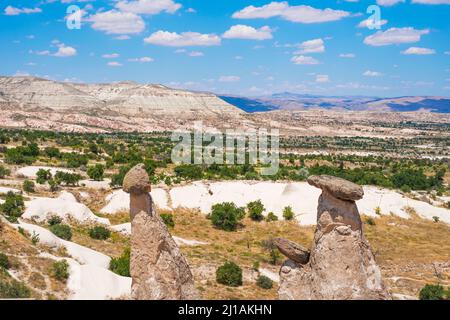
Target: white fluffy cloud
{"x":322,"y":78}
{"x":195,"y":54}
{"x":371,"y":22}
{"x":150,"y":7}
{"x":62,"y":52}
{"x":117,"y":22}
{"x":388,"y":3}
{"x":301,"y":14}
{"x":142,"y":59}
{"x":184,"y":39}
{"x":311,"y":46}
{"x":241,"y":31}
{"x":395,"y":36}
{"x":13,"y":11}
{"x":110,"y":55}
{"x":431,"y":1}
{"x":304,"y":60}
{"x":369,"y":73}
{"x":229,"y":79}
{"x":65,"y":51}
{"x":114,"y":64}
{"x":347,"y":55}
{"x":419,"y":51}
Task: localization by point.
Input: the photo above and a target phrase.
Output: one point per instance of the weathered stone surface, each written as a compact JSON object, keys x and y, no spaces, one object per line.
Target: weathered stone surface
{"x":339,"y":188}
{"x":292,"y":250}
{"x":341,"y":264}
{"x":158,"y":269}
{"x":137,"y":181}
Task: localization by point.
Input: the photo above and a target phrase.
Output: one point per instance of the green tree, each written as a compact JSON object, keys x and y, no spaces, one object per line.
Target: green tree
{"x":28,"y":186}
{"x":226,"y":216}
{"x":96,"y":172}
{"x":42,"y":176}
{"x":255,"y":210}
{"x":13,"y":207}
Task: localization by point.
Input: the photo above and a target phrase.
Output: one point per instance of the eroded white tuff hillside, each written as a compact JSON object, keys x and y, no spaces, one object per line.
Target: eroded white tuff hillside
{"x":36,"y":102}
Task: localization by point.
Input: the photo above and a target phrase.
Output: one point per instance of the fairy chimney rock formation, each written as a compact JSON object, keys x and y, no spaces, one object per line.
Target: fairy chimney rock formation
{"x":341,"y":265}
{"x":158,"y":269}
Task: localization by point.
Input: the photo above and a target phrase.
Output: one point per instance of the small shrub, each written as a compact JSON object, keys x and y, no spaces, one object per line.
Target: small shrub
{"x":4,"y":172}
{"x":14,"y":290}
{"x":35,"y":238}
{"x":436,"y":219}
{"x":62,"y":230}
{"x":99,"y":233}
{"x":271,"y":217}
{"x":60,"y":270}
{"x":168,"y":219}
{"x":378,"y":211}
{"x":264,"y":282}
{"x":255,"y":266}
{"x":13,"y":207}
{"x":54,"y":220}
{"x":4,"y":261}
{"x":255,"y":210}
{"x":370,"y":221}
{"x":28,"y":186}
{"x":121,"y":265}
{"x":226,"y":216}
{"x":229,"y":274}
{"x":274,"y":253}
{"x":288,"y":214}
{"x":432,"y":292}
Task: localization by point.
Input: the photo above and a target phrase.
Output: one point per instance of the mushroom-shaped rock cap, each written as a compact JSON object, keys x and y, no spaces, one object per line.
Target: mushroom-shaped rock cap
{"x":137,"y":181}
{"x":292,"y":250}
{"x":338,"y":187}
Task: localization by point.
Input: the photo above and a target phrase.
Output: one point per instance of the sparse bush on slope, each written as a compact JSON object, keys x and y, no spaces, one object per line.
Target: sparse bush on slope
{"x":62,"y":230}
{"x":229,"y":274}
{"x":226,"y":216}
{"x":60,"y":270}
{"x":264,"y":282}
{"x":433,"y":292}
{"x":99,"y":233}
{"x":168,"y":219}
{"x":121,"y":265}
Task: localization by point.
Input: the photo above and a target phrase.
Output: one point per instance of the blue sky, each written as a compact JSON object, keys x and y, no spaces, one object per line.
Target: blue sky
{"x":234,"y":46}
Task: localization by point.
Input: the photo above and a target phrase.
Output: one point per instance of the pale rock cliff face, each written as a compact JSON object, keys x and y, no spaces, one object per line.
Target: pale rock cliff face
{"x":158,"y":269}
{"x":341,"y":264}
{"x":123,"y":98}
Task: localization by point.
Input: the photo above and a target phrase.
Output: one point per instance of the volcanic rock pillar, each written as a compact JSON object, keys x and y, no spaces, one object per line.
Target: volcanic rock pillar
{"x":341,"y":264}
{"x":158,"y":269}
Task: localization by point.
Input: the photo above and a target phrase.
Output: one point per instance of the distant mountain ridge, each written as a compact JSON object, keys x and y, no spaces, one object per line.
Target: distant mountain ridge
{"x":294,"y":101}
